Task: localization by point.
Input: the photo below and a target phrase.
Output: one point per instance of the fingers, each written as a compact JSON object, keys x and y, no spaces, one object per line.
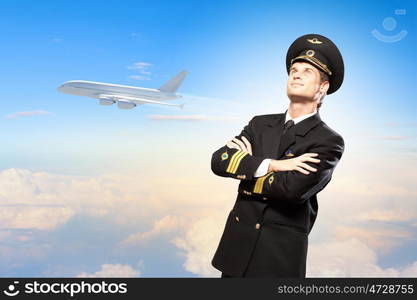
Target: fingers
{"x":232,"y":145}
{"x":310,"y":154}
{"x":306,"y":166}
{"x":248,"y":145}
{"x":302,"y":170}
{"x":240,"y":143}
{"x":309,"y":157}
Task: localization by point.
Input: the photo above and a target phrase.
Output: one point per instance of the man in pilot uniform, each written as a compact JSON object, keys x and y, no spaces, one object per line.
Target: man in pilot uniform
{"x":282,"y":162}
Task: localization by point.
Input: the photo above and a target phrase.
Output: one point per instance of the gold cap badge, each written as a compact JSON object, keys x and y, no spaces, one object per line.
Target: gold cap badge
{"x":310,"y":52}
{"x":314,"y":41}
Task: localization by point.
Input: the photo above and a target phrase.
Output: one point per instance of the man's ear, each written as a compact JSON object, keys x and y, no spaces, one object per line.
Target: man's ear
{"x":324,"y":87}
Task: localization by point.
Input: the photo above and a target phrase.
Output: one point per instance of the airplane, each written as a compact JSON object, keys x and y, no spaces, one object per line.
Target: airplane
{"x":127,"y":97}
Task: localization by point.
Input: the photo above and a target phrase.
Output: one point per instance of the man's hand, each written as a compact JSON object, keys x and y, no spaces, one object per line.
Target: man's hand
{"x":294,"y":164}
{"x":244,"y":146}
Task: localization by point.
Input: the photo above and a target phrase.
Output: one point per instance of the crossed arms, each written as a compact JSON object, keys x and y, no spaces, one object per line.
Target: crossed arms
{"x":295,"y":179}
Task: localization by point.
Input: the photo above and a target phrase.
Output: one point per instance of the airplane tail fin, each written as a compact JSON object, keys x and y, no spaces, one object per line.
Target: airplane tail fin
{"x":174,"y":83}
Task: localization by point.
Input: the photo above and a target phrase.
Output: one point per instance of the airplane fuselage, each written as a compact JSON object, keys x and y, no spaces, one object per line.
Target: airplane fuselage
{"x":126,"y":97}
{"x":98,"y":89}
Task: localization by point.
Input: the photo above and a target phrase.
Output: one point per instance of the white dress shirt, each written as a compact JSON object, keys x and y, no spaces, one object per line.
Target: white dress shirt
{"x":263,"y":167}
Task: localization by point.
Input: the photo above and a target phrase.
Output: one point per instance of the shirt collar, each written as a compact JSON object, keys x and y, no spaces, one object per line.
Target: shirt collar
{"x":300,"y":118}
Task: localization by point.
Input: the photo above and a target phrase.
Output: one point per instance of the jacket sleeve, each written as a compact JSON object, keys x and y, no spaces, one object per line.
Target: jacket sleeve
{"x":295,"y":186}
{"x":234,"y":163}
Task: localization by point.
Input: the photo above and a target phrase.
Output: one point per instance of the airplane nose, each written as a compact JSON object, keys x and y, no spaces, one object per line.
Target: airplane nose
{"x":61,"y":88}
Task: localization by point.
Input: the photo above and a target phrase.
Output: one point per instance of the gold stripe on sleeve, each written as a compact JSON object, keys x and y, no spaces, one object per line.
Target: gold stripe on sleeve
{"x":260,"y":183}
{"x":232,"y":160}
{"x":238,"y":160}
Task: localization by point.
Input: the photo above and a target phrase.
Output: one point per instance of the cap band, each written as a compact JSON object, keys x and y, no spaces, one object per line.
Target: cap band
{"x":314,"y":61}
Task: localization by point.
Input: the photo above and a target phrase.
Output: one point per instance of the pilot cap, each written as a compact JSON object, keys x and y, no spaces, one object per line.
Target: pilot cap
{"x":321,"y":53}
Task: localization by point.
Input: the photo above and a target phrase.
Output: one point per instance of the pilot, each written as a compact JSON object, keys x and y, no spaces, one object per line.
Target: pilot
{"x":282,"y":161}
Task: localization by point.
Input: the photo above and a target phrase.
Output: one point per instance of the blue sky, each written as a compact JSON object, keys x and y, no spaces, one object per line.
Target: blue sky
{"x":230,"y":49}
{"x":235,"y":54}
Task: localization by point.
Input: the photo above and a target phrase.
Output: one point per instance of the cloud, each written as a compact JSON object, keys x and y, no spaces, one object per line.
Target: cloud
{"x":42,"y":218}
{"x":110,"y":271}
{"x":44,"y":201}
{"x":357,"y":218}
{"x":23,"y":206}
{"x":377,"y":239}
{"x":139,"y":66}
{"x":165,"y":225}
{"x":350,"y":252}
{"x":394,"y":215}
{"x":142,"y":68}
{"x":139,"y":77}
{"x":409,"y":271}
{"x":188,"y":118}
{"x":358,"y":211}
{"x":200,"y":241}
{"x":350,"y":258}
{"x":27,"y":113}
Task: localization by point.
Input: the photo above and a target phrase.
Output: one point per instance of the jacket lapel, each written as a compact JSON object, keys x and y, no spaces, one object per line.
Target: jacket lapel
{"x":303,"y":127}
{"x":300,"y":129}
{"x":271,"y":137}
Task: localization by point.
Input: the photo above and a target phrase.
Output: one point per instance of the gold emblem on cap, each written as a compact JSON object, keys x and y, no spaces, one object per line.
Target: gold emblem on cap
{"x":314,"y":41}
{"x":310,"y":52}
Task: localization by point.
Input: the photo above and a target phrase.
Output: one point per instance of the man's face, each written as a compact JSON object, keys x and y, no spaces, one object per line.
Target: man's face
{"x":304,"y":83}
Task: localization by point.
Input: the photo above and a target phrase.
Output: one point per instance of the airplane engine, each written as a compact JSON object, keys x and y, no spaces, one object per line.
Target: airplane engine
{"x":104,"y":101}
{"x":123,"y":104}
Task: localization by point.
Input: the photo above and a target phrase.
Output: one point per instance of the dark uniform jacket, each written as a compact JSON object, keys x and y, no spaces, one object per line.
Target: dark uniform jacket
{"x":266,"y":232}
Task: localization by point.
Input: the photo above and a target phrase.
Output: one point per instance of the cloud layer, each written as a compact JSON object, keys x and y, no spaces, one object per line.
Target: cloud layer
{"x":356,"y":227}
{"x":109,"y":270}
{"x":27,"y":114}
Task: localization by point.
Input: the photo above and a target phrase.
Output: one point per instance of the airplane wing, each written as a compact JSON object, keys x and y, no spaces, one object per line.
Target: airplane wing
{"x":137,"y":100}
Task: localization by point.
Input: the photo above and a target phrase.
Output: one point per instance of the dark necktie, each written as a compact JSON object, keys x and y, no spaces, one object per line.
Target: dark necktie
{"x":287,"y":126}
{"x":286,"y":137}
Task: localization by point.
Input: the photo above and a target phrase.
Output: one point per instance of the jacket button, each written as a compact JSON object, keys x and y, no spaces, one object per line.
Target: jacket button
{"x":258,"y":226}
{"x":237,"y":219}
